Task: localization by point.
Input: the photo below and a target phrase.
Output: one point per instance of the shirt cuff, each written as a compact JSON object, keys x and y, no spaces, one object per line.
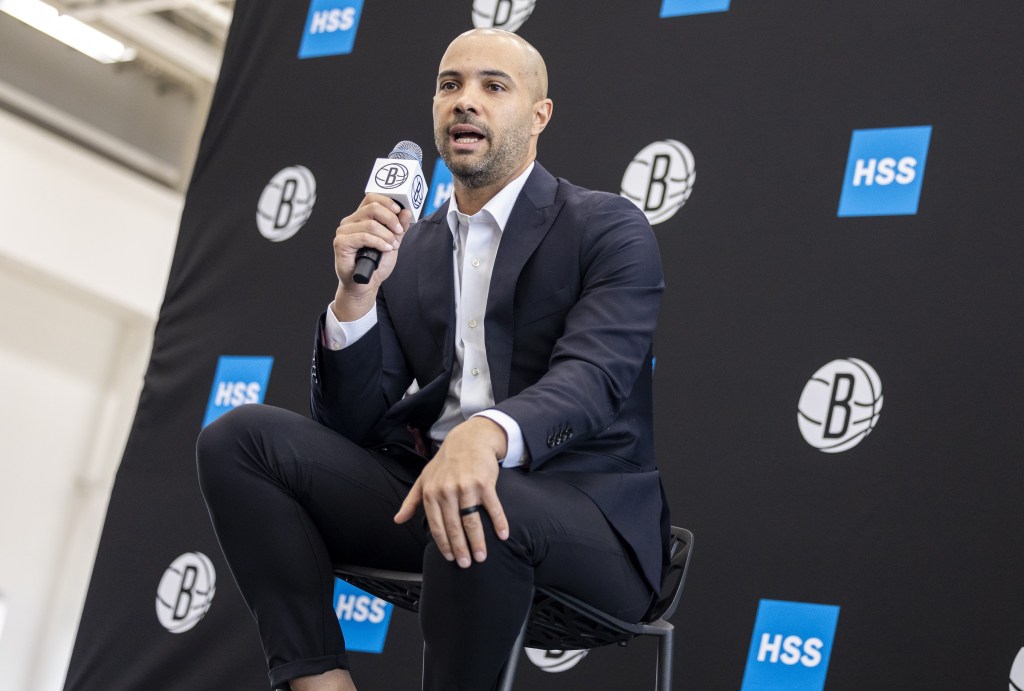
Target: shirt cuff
{"x":515,"y":454}
{"x":340,"y":335}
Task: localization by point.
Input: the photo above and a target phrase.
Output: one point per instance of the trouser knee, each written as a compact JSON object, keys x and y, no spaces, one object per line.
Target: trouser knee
{"x":222,"y":447}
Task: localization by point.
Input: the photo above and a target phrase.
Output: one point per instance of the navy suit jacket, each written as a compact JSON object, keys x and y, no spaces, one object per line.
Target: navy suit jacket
{"x":569,"y":326}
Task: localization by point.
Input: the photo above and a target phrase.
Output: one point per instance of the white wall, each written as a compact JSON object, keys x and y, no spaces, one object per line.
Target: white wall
{"x":85,"y":247}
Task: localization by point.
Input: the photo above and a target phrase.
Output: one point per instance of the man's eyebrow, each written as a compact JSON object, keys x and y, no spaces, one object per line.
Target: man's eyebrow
{"x":496,"y":73}
{"x":483,"y":73}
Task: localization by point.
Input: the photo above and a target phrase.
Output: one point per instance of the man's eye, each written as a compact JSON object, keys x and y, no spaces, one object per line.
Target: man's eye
{"x":496,"y":87}
{"x":447,"y":86}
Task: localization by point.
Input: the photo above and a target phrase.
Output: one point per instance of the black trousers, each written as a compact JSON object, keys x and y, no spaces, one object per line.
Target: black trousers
{"x":289,"y":498}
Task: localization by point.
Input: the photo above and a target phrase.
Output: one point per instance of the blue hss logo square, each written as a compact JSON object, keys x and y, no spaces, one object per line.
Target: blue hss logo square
{"x":680,"y":8}
{"x":363,"y":618}
{"x":790,"y":647}
{"x":440,"y":187}
{"x":885,"y":171}
{"x":330,"y":28}
{"x":239,"y":379}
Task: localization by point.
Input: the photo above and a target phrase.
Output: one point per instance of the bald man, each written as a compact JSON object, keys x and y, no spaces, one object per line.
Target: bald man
{"x":525,"y":455}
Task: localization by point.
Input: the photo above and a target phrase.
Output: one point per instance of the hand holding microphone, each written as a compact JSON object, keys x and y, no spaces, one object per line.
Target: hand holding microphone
{"x":399,"y":177}
{"x":364,"y":239}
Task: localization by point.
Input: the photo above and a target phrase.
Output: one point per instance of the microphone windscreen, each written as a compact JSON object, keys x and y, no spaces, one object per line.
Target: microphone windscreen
{"x":407,"y":150}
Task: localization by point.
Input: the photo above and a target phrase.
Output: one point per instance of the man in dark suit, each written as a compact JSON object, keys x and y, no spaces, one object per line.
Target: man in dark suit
{"x":524,"y":311}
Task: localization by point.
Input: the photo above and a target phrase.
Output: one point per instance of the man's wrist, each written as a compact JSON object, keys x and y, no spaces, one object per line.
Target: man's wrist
{"x":350,"y":307}
{"x":493,"y":433}
{"x":338,"y":335}
{"x":515,"y":448}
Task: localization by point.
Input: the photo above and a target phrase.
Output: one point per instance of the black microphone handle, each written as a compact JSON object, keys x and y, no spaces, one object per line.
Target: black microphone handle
{"x":367,"y":259}
{"x":366,"y":263}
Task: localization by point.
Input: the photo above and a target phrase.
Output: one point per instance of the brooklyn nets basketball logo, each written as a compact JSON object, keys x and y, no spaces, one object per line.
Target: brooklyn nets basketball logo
{"x":185,"y":592}
{"x":418,"y":191}
{"x":501,"y":14}
{"x":391,"y":176}
{"x":555,"y":660}
{"x":286,"y":203}
{"x":1017,"y":672}
{"x":659,"y":179}
{"x":840,"y":405}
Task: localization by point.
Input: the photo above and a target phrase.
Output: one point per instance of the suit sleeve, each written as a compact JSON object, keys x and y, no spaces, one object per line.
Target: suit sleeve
{"x":607,"y":336}
{"x":352,"y":388}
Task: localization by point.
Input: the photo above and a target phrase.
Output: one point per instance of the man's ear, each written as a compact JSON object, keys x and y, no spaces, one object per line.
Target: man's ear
{"x":542,"y":111}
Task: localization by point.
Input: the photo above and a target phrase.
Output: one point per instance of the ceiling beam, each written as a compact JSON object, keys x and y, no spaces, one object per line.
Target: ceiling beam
{"x":91,"y":136}
{"x":174,"y":44}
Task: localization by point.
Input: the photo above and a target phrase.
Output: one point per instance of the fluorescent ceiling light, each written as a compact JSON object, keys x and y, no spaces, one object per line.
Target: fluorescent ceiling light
{"x":66,"y":29}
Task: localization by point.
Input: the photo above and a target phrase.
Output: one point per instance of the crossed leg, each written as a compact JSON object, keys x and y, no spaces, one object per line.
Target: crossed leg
{"x":289,"y":498}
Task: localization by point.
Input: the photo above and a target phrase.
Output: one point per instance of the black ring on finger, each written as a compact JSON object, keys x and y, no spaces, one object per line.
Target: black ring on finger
{"x":476,"y":508}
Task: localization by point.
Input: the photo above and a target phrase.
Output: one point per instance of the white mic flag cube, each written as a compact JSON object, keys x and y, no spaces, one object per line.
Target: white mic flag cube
{"x":402,"y":180}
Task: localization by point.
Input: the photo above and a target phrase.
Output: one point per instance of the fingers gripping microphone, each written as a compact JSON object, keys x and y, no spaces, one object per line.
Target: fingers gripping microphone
{"x":400,"y":177}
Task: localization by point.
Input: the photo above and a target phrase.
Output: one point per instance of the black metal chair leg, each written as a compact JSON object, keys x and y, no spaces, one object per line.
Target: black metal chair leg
{"x":665,"y":661}
{"x":508,"y":676}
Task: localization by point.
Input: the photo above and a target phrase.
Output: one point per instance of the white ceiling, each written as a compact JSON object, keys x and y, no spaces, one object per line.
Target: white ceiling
{"x":146,"y":114}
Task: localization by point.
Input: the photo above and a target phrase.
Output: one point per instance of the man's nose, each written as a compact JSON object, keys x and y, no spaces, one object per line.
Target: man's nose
{"x":467,"y":102}
{"x":465,"y":105}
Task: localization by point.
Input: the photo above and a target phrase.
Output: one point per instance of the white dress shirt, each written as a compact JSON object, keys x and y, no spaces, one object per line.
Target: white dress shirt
{"x":475,"y":243}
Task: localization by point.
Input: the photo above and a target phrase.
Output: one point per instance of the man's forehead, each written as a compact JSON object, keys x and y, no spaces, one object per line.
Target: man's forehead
{"x":490,"y":52}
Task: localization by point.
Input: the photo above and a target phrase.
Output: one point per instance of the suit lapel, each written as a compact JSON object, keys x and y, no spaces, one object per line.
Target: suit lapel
{"x":531,"y":219}
{"x":436,"y":285}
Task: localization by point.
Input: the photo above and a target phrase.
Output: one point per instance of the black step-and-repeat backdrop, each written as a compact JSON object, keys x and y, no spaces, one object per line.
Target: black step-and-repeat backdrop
{"x":836,"y":187}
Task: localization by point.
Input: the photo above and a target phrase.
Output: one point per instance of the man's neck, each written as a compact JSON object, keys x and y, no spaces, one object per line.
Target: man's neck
{"x":472,"y":199}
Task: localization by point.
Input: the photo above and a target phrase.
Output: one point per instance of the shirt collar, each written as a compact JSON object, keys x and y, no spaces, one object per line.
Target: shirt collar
{"x":499,"y":206}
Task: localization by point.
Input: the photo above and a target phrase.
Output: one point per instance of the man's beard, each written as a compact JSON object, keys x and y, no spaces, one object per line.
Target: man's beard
{"x":497,"y":164}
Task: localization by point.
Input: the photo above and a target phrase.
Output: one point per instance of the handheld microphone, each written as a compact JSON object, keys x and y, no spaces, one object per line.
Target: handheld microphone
{"x":400,"y":177}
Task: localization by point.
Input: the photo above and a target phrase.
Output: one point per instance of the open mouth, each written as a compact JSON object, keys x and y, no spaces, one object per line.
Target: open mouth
{"x":465,"y":135}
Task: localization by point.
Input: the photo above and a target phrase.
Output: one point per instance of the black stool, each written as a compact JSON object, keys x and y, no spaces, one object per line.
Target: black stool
{"x":558,"y":621}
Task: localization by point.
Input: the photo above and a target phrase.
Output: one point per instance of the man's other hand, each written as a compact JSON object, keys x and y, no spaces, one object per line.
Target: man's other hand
{"x":463,"y":474}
